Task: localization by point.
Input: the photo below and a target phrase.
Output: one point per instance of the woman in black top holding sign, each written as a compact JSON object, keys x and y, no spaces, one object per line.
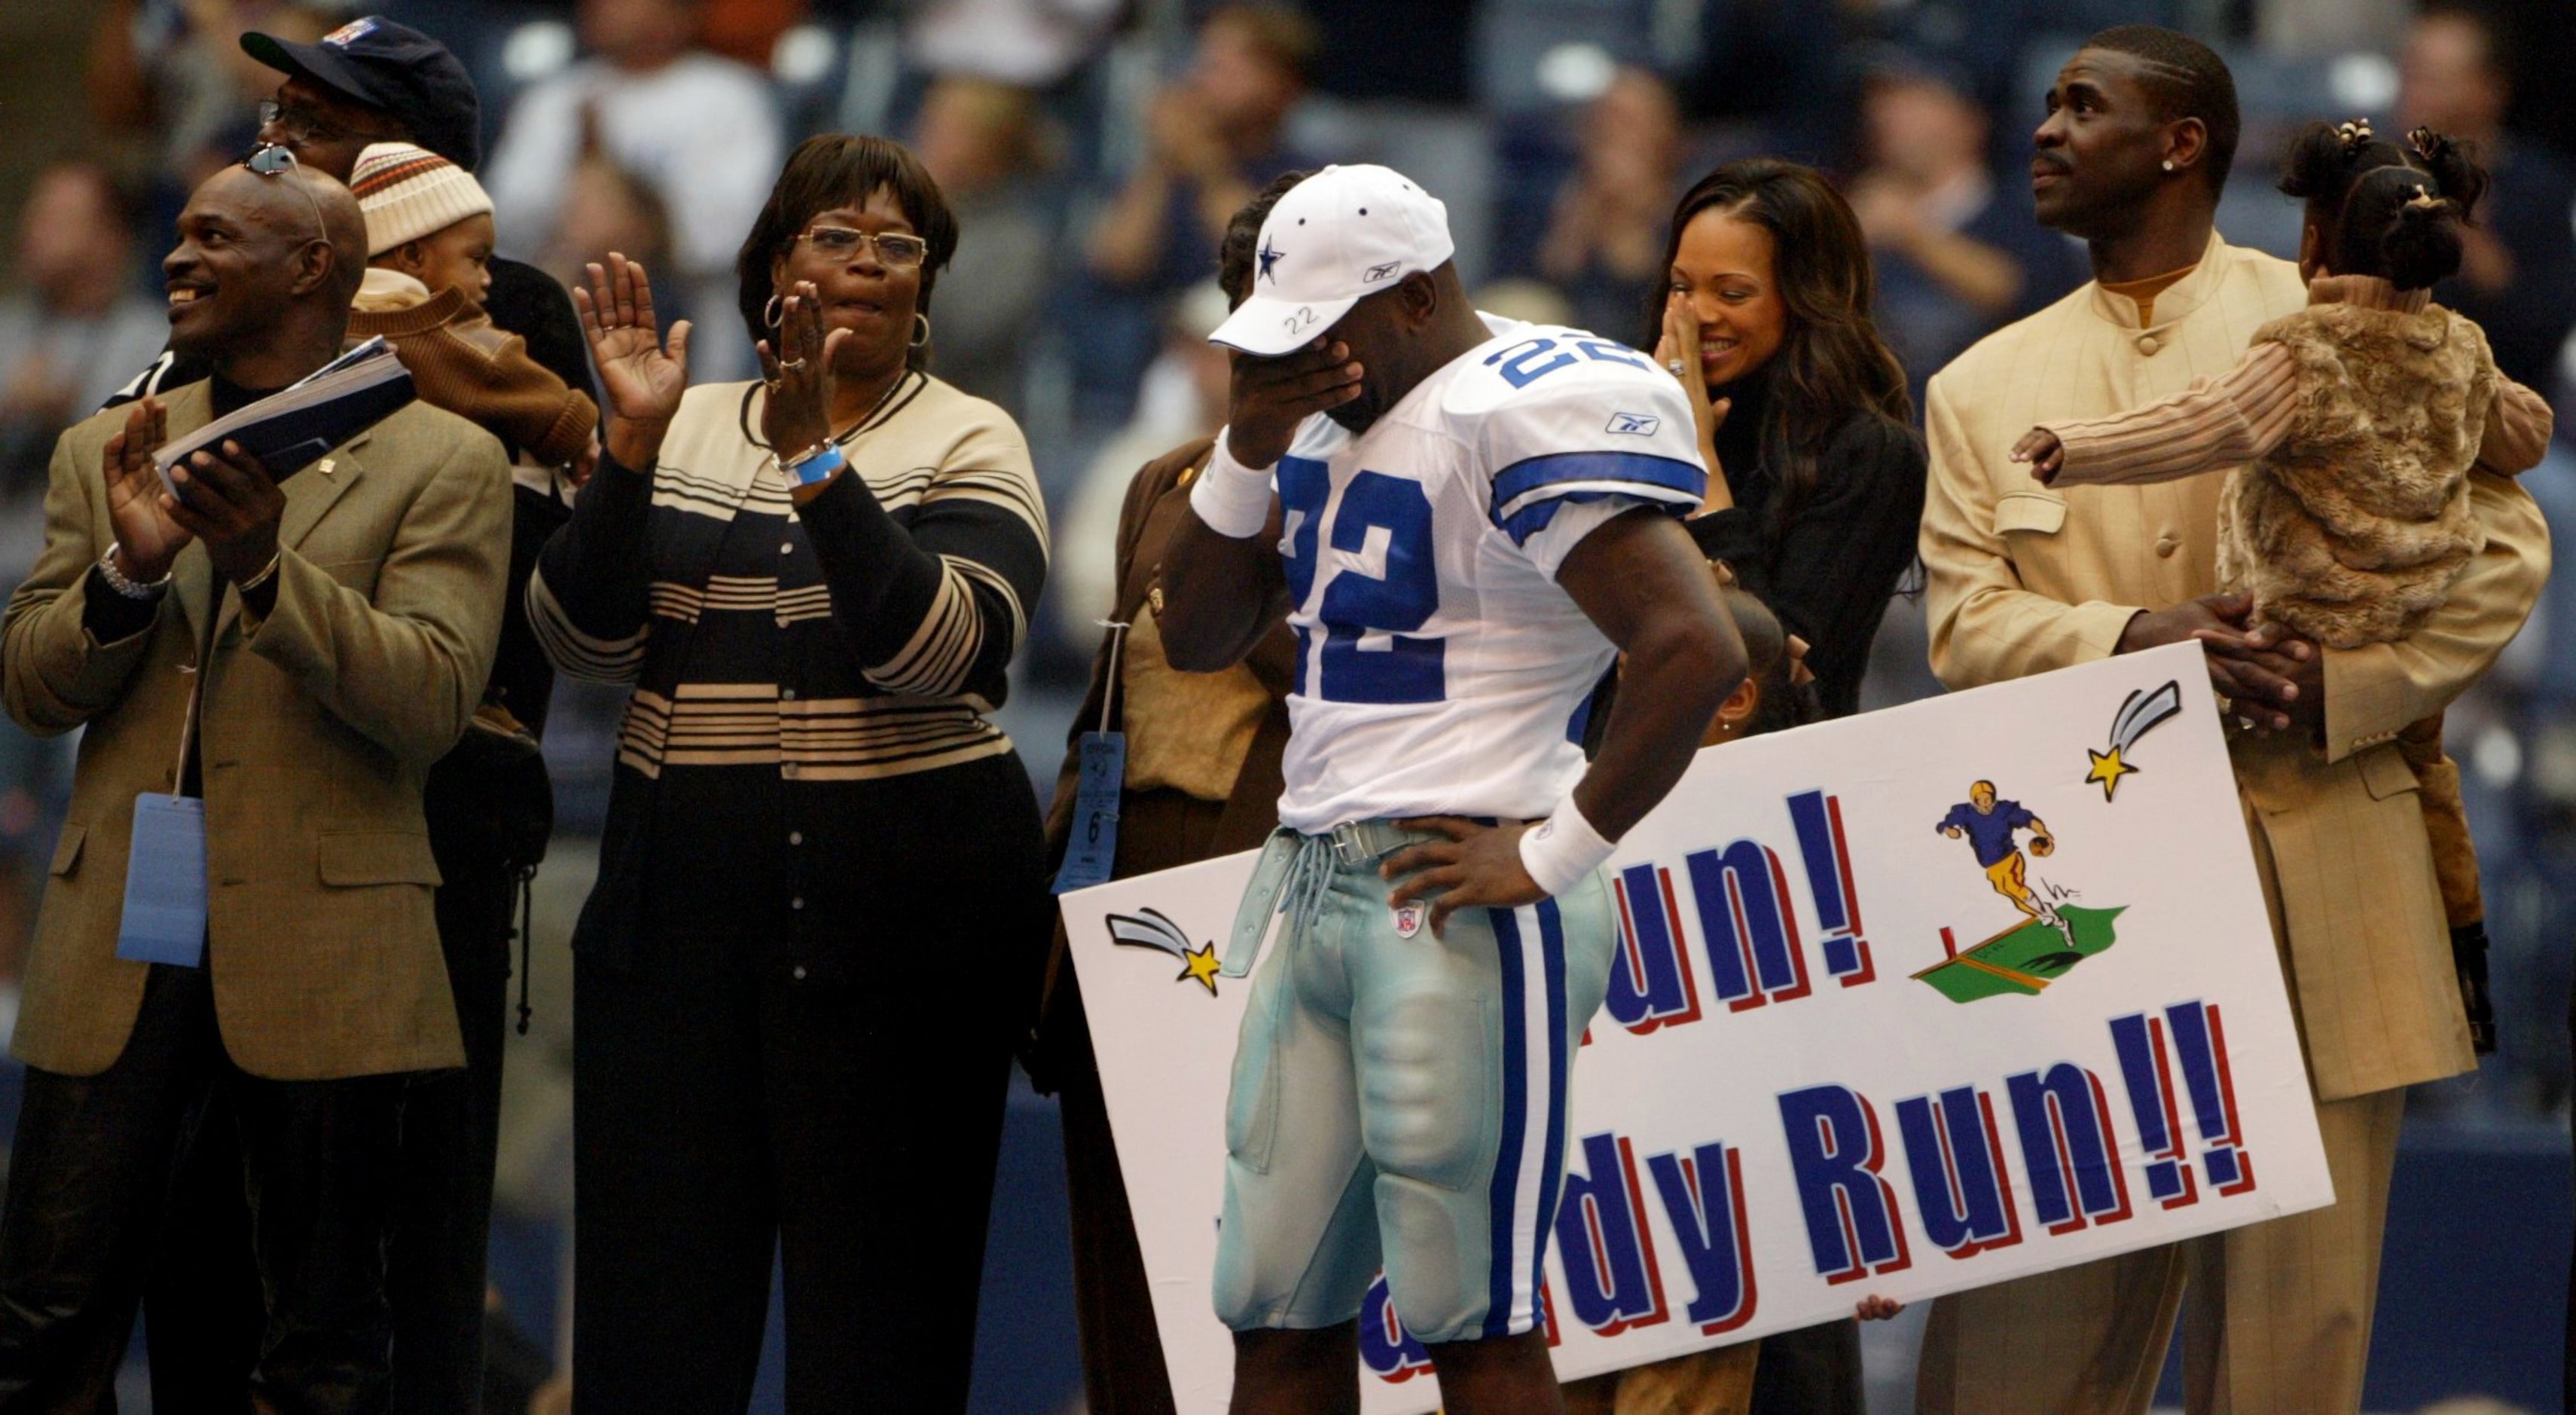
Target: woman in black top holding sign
{"x":1817,"y":485}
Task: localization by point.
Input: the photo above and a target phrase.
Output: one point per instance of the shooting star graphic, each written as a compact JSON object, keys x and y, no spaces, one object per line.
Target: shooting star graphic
{"x":1155,"y":930}
{"x":2141,"y":714}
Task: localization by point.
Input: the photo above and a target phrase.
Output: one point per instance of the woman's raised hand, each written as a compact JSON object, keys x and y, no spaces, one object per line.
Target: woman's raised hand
{"x":797,"y":361}
{"x":1678,"y":352}
{"x":641,"y":379}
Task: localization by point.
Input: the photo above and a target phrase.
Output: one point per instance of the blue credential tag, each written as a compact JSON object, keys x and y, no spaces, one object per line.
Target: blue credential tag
{"x":1094,"y":845}
{"x":165,"y":883}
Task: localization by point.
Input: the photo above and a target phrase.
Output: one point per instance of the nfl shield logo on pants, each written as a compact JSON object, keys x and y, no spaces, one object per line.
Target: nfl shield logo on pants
{"x":1408,"y":920}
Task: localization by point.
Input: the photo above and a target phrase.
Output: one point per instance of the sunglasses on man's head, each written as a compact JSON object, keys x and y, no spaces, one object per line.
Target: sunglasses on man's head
{"x":273,"y":160}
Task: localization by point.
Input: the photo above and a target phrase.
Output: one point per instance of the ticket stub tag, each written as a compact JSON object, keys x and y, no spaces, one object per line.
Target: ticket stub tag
{"x":1093,"y":848}
{"x":165,"y":883}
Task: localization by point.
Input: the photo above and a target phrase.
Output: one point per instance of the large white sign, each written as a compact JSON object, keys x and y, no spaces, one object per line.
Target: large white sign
{"x":1910,"y":1002}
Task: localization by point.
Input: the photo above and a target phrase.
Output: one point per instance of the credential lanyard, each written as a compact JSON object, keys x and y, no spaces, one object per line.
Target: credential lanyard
{"x":164,"y":917}
{"x":1092,"y":849}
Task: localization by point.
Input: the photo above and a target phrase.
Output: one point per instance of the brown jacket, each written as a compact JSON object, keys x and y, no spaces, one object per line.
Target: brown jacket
{"x":460,"y":361}
{"x":1162,"y":828}
{"x":319,"y":723}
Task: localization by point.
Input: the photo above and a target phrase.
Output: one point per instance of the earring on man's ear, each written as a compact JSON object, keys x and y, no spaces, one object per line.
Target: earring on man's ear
{"x":921,"y":329}
{"x":771,"y":313}
{"x":2168,"y":164}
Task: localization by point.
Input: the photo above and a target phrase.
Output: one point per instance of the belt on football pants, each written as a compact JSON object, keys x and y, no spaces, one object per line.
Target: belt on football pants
{"x":1293,"y":873}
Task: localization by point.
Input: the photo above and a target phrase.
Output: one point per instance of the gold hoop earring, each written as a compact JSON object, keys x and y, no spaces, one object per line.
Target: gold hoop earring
{"x":771,"y":313}
{"x":921,"y":329}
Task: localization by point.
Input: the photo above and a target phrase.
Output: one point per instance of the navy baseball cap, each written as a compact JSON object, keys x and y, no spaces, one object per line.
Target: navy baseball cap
{"x":395,"y":68}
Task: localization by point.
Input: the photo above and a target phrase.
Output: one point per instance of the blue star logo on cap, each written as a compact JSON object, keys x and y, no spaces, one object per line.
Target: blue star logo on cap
{"x":1269,"y":257}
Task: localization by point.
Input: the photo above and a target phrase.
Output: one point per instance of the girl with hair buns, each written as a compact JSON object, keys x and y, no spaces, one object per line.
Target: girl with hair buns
{"x":2357,"y":421}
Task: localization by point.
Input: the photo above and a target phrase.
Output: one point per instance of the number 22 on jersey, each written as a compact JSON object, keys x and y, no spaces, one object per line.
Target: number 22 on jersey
{"x":1366,"y":655}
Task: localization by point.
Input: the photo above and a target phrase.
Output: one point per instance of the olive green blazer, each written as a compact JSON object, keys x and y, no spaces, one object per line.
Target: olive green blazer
{"x":319,"y":724}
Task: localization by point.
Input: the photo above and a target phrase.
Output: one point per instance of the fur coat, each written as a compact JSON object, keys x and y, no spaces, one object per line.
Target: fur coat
{"x":2351,"y":530}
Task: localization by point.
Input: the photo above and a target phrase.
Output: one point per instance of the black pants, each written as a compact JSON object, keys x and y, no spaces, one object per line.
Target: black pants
{"x":89,"y":1178}
{"x":202,"y":1300}
{"x":731,"y":1105}
{"x":1810,"y":1371}
{"x":451,"y":1136}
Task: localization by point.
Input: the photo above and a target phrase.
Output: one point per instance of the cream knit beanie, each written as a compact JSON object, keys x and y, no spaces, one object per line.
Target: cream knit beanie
{"x":409,"y":192}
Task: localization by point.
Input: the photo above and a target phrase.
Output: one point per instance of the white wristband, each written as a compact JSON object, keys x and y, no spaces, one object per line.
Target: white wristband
{"x":1559,"y":851}
{"x":1232,"y":498}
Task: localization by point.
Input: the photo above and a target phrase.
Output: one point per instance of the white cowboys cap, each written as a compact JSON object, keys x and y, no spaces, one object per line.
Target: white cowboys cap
{"x":1336,"y":237}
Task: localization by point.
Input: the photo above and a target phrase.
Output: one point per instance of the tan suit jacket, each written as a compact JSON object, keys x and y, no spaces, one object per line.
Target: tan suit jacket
{"x":2023,"y":579}
{"x":318,"y":726}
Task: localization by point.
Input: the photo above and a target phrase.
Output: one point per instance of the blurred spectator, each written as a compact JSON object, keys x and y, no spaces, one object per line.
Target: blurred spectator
{"x":1605,"y":240}
{"x":747,"y":30}
{"x":984,"y":143}
{"x":173,"y":72}
{"x":1956,"y":256}
{"x":1213,"y":139}
{"x":701,"y":129}
{"x":1030,"y":43}
{"x":2518,"y":272}
{"x":607,"y":207}
{"x":1419,"y":53}
{"x":75,"y":330}
{"x":1183,"y":397}
{"x":1773,"y":67}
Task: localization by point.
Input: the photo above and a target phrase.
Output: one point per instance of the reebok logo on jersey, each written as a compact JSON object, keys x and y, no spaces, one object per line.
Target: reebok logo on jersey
{"x":1636,"y":424}
{"x":1376,"y":273}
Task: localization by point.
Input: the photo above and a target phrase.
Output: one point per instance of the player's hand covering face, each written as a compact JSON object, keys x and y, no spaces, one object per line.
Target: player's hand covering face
{"x":1269,"y":397}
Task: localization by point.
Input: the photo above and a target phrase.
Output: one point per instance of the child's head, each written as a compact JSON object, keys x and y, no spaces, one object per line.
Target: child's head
{"x":426,"y":217}
{"x":2375,"y":208}
{"x":1773,"y":696}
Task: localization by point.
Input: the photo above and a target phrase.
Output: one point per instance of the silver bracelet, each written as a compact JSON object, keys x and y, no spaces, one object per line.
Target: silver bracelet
{"x":131,"y":589}
{"x":267,"y":573}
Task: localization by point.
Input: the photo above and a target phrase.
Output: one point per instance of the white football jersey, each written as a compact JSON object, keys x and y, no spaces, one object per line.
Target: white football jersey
{"x":1441,"y":671}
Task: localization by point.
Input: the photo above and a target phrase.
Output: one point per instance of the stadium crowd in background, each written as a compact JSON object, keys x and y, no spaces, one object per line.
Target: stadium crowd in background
{"x":1093,"y":155}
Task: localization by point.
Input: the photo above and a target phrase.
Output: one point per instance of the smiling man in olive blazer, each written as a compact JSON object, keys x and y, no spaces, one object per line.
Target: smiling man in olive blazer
{"x":354,"y":604}
{"x":2022,"y":579}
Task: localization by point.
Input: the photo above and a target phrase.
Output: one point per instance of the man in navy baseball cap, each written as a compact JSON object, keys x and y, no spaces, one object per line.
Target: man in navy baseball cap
{"x":401,"y":79}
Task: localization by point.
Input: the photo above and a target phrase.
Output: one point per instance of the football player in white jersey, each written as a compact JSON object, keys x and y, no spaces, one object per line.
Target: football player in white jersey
{"x":1465,"y":521}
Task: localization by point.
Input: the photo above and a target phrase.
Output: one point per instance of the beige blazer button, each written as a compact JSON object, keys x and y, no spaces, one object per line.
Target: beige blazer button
{"x":2148,"y":344}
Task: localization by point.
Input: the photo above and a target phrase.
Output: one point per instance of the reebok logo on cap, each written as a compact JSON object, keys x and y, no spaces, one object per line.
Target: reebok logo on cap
{"x":1336,"y":237}
{"x":351,"y":32}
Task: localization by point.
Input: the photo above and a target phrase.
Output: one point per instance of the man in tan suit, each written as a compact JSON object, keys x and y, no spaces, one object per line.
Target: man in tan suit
{"x":353,"y":606}
{"x":2141,"y":128}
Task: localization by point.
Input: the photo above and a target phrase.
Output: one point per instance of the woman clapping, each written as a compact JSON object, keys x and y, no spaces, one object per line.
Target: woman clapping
{"x":799,"y":976}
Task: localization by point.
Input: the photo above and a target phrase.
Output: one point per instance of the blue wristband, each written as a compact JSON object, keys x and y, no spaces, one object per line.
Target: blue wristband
{"x":818,"y":466}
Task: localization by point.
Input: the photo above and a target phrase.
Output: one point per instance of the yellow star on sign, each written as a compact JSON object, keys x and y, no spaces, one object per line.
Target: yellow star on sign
{"x":1200,"y":963}
{"x":2107,"y":769}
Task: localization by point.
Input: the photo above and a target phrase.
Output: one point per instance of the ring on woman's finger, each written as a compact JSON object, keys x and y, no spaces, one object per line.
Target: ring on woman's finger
{"x":792,"y":366}
{"x":1673,"y":367}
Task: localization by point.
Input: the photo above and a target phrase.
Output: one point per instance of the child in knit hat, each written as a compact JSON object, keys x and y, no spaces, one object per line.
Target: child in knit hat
{"x":429,"y":234}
